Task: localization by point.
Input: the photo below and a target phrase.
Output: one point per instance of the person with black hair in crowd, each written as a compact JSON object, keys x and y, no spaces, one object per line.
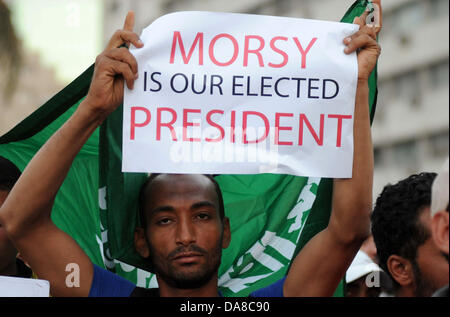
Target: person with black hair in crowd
{"x":401,"y":227}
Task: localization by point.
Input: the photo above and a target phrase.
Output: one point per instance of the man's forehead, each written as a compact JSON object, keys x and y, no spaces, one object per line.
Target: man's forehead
{"x":171,"y":188}
{"x":182,"y":182}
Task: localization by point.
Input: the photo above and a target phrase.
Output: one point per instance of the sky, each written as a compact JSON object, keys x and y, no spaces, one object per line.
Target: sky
{"x":67,"y":34}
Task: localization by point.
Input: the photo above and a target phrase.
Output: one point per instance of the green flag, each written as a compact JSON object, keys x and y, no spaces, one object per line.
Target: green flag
{"x":272,"y":216}
{"x":76,"y":204}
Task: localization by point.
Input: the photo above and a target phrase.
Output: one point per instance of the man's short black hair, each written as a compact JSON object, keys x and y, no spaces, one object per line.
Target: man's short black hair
{"x":396,"y":225}
{"x":153,"y":176}
{"x":9,"y":174}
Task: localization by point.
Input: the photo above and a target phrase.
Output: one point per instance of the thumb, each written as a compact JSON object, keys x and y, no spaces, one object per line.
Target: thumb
{"x":358,"y":21}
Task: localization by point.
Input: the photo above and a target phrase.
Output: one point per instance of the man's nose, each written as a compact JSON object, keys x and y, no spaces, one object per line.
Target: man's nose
{"x":185,"y":232}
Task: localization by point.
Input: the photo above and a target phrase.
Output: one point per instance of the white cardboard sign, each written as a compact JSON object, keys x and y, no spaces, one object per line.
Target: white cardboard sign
{"x":23,"y":287}
{"x":223,"y":93}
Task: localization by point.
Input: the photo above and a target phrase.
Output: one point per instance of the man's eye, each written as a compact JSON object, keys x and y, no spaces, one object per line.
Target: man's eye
{"x":164,"y":221}
{"x":203,"y":216}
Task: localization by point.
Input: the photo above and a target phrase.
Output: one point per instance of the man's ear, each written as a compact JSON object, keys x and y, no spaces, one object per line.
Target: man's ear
{"x":439,"y":230}
{"x":140,"y":242}
{"x":226,"y":233}
{"x":401,"y":270}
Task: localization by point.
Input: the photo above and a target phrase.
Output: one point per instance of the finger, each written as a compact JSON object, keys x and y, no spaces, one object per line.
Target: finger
{"x":364,"y":40}
{"x":367,"y":29}
{"x":358,"y":21}
{"x":363,"y":17}
{"x":370,"y":31}
{"x":121,"y":37}
{"x":129,"y":21}
{"x":120,"y":68}
{"x":123,"y":55}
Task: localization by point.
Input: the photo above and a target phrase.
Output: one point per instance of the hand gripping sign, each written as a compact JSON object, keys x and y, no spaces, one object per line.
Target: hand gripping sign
{"x":222,"y":93}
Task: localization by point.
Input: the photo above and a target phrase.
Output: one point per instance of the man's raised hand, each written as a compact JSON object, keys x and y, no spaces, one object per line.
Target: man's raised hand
{"x":112,"y":67}
{"x":365,"y":43}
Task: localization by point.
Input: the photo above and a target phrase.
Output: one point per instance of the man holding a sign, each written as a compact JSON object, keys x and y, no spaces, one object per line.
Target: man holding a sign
{"x":184,"y":226}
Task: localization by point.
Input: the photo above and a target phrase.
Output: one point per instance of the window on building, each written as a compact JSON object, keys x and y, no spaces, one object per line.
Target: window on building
{"x":439,"y":75}
{"x":385,"y":98}
{"x":378,"y":157}
{"x":388,"y":22}
{"x":409,"y":16}
{"x":439,"y":8}
{"x":439,"y":144}
{"x":408,"y":88}
{"x":405,"y":155}
{"x":387,"y":90}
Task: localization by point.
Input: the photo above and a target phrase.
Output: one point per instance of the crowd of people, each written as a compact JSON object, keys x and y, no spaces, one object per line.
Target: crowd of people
{"x":399,"y":247}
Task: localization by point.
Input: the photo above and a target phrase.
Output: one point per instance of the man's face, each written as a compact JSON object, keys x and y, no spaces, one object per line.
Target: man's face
{"x":7,"y":251}
{"x":184,"y":231}
{"x":432,"y":267}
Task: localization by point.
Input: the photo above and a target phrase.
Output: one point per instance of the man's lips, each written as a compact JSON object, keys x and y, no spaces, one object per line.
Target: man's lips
{"x":187,"y":257}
